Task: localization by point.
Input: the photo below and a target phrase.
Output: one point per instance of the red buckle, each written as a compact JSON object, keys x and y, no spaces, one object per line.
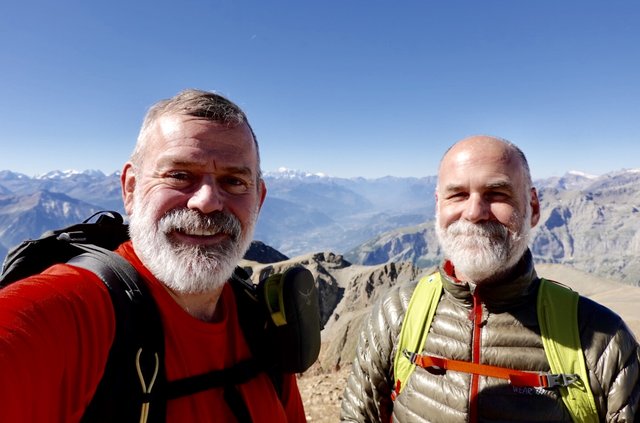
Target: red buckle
{"x":396,"y":391}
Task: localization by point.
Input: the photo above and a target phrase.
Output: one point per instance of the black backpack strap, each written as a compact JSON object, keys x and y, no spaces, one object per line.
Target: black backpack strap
{"x":254,"y":321}
{"x":228,"y":378}
{"x":238,"y":374}
{"x":132,"y":384}
{"x":235,"y":401}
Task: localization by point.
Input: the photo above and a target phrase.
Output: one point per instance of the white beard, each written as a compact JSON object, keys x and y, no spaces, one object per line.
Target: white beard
{"x":486,"y":250}
{"x":188,"y":269}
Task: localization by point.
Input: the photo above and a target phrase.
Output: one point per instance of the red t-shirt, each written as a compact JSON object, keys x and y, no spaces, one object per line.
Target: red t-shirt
{"x":56,"y":329}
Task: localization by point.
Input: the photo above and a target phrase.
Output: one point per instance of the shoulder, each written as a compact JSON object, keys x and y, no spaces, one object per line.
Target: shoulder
{"x":55,"y":327}
{"x":612,"y":356}
{"x":56,"y":300}
{"x":595,"y":317}
{"x":59,"y":283}
{"x":388,"y":312}
{"x":590,"y":309}
{"x":601,"y":329}
{"x":396,"y":300}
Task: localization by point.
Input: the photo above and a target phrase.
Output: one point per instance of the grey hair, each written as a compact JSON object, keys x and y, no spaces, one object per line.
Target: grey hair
{"x":198,"y":103}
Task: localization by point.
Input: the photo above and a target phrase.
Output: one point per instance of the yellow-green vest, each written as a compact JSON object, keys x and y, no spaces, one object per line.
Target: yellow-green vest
{"x":557,"y":309}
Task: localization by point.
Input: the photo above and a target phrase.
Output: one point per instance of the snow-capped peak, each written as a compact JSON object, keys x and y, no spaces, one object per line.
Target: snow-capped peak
{"x":69,"y":173}
{"x":582,"y":174}
{"x":286,"y":173}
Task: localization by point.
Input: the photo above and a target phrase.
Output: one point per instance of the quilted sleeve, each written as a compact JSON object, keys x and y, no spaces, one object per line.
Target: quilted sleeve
{"x":367,"y":396}
{"x":613,"y":358}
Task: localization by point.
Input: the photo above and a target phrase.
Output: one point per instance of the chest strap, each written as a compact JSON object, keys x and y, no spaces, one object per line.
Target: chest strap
{"x":515,"y":377}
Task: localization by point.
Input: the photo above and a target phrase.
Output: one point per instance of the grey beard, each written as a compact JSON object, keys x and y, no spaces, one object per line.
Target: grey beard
{"x":483,"y":251}
{"x":188,"y":269}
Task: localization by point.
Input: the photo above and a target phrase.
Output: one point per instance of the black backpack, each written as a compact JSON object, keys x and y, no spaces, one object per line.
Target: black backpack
{"x":134,"y":387}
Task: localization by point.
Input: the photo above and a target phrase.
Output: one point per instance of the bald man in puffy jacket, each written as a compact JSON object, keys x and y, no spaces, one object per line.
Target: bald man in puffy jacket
{"x":486,"y":207}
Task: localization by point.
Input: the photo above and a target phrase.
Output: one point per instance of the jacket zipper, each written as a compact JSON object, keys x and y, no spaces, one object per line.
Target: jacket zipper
{"x":476,"y":317}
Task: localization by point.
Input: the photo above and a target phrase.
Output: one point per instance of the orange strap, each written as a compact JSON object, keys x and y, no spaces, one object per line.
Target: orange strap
{"x":515,"y":377}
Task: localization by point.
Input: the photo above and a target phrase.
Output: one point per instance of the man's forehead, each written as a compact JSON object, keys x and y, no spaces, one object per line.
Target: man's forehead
{"x":462,"y":182}
{"x":171,"y":124}
{"x":480,"y":153}
{"x":488,"y":155}
{"x":466,"y":170}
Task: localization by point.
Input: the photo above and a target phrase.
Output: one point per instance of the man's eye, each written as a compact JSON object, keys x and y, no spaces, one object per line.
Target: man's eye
{"x":457,"y":196}
{"x":234,"y":181}
{"x":498,"y":196}
{"x":235,"y":185}
{"x":179,"y":176}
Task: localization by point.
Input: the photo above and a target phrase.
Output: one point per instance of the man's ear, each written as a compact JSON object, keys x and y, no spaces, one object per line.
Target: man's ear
{"x":128,"y":184}
{"x":262,"y":192}
{"x":535,"y":207}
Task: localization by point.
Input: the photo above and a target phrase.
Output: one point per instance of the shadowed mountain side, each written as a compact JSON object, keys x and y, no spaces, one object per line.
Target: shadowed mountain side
{"x":29,"y":216}
{"x":594,"y":229}
{"x":261,"y":253}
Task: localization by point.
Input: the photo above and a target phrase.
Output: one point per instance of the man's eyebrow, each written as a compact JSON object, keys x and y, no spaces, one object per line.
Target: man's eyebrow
{"x":490,"y":185}
{"x":180,"y":163}
{"x":500,"y":185}
{"x":453,"y":188}
{"x":238,"y":170}
{"x":172,"y":162}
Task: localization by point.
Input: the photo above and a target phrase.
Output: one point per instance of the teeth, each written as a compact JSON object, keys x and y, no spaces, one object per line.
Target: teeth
{"x":200,"y":232}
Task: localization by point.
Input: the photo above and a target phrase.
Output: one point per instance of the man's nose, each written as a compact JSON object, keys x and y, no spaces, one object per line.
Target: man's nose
{"x":207,"y":197}
{"x":477,"y":209}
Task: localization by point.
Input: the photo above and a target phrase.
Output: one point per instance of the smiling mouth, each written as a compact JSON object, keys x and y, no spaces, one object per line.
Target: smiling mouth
{"x":199,"y":238}
{"x":199,"y":232}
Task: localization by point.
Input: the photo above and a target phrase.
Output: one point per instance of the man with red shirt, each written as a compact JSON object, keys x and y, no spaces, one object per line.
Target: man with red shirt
{"x":192,"y":190}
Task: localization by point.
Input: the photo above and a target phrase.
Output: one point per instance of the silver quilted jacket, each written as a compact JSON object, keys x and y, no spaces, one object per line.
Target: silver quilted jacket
{"x":509,"y":337}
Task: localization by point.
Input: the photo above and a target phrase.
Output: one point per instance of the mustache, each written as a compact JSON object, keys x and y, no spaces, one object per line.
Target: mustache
{"x":483,"y":229}
{"x":192,"y":221}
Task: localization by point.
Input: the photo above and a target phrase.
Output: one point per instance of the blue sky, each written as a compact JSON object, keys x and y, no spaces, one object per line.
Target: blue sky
{"x":349,"y":88}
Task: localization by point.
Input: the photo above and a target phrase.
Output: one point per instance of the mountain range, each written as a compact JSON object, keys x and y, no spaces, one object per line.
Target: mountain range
{"x":588,"y":222}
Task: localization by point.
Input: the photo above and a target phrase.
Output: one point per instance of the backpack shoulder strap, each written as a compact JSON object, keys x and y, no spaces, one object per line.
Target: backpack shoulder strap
{"x":415,"y":327}
{"x":557,"y":308}
{"x":254,"y":322}
{"x":134,"y":379}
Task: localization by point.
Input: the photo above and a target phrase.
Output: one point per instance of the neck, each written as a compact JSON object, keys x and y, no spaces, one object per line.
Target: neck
{"x":203,"y":306}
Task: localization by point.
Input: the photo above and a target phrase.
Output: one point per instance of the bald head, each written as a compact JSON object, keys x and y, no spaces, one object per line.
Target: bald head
{"x":485,"y":207}
{"x":481,"y":147}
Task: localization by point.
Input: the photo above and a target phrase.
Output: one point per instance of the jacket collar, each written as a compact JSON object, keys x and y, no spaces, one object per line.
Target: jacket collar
{"x":513,"y":289}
